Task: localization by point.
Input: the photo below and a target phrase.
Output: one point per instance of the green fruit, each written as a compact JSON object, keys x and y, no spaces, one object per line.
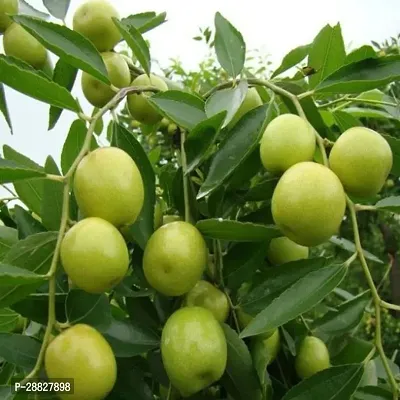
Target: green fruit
{"x":138,"y":105}
{"x":19,"y":43}
{"x":93,"y":19}
{"x":251,"y":101}
{"x":164,"y":123}
{"x":206,"y":295}
{"x":193,"y":349}
{"x":389,"y":183}
{"x":244,"y":318}
{"x":94,"y":255}
{"x":81,"y":353}
{"x":312,"y":357}
{"x":108,"y":185}
{"x":271,"y":343}
{"x":287,"y":140}
{"x":98,"y":93}
{"x":7,"y":7}
{"x":362,"y":159}
{"x":369,"y":377}
{"x":135,"y":124}
{"x":167,"y":219}
{"x":172,"y":128}
{"x":308,"y":203}
{"x":175,"y":258}
{"x":283,"y":250}
{"x":21,"y":322}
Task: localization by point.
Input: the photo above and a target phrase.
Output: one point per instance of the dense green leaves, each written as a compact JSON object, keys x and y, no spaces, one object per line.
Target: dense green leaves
{"x":67,"y":44}
{"x":362,"y":76}
{"x":229,"y":46}
{"x":8,"y":237}
{"x":11,"y":171}
{"x":359,"y":54}
{"x":10,"y":275}
{"x":243,"y":139}
{"x":391,"y":203}
{"x":236,"y":231}
{"x":8,"y":320}
{"x":185,"y":109}
{"x":4,"y":107}
{"x":144,"y":22}
{"x":26,"y":223}
{"x":292,"y":58}
{"x":57,"y":8}
{"x":345,"y":121}
{"x":24,"y":79}
{"x":394,"y":144}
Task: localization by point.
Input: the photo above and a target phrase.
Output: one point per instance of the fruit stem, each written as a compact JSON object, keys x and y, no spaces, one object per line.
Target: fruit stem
{"x":375,"y":295}
{"x":56,"y":178}
{"x":390,"y":306}
{"x":349,"y":100}
{"x":185,"y":176}
{"x":361,"y":207}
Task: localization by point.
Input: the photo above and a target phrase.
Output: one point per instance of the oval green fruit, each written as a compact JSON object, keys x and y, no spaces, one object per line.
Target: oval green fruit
{"x":108,"y":185}
{"x":362,"y":159}
{"x":175,"y":258}
{"x":193,"y":349}
{"x":308,"y":203}
{"x":19,"y":43}
{"x":7,"y":7}
{"x":94,"y":255}
{"x":81,"y":353}
{"x":244,"y":318}
{"x":98,"y":93}
{"x":282,"y":250}
{"x":287,"y":140}
{"x":270,"y":343}
{"x":138,"y":105}
{"x":206,"y":295}
{"x":93,"y":19}
{"x":251,"y":101}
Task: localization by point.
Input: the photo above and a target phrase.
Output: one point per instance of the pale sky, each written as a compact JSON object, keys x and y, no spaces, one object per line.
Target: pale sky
{"x":275,"y":27}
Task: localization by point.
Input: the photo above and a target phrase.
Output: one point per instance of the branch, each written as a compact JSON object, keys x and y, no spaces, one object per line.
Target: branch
{"x":185,"y":177}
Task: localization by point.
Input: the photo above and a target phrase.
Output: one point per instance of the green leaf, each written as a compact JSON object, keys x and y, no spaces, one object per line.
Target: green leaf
{"x":276,"y":280}
{"x":335,"y":383}
{"x":381,"y":371}
{"x":361,"y":76}
{"x":19,"y":349}
{"x":10,"y":275}
{"x":142,"y":309}
{"x":24,"y":79}
{"x":297,"y":299}
{"x":372,"y":393}
{"x":366,"y":112}
{"x":67,"y":44}
{"x":240,"y":378}
{"x":360,"y":54}
{"x":201,"y":139}
{"x":8,"y":237}
{"x":143,"y":227}
{"x":292,"y":58}
{"x":391,"y":203}
{"x":185,"y":109}
{"x":57,"y":8}
{"x":228,"y":100}
{"x":262,"y":190}
{"x":345,"y":120}
{"x":347,"y":316}
{"x":261,"y":359}
{"x":4,"y":107}
{"x":52,"y":198}
{"x":326,"y":54}
{"x":11,"y":171}
{"x":347,"y":245}
{"x":242,"y":261}
{"x":136,"y":43}
{"x":243,"y":139}
{"x":64,"y":74}
{"x":229,"y":46}
{"x":354,"y":351}
{"x":8,"y":320}
{"x":31,"y":191}
{"x":27,"y":224}
{"x":32,"y":254}
{"x":129,"y":339}
{"x":88,"y":308}
{"x":27,"y":9}
{"x":394,"y":144}
{"x":146,"y":21}
{"x":235,"y":231}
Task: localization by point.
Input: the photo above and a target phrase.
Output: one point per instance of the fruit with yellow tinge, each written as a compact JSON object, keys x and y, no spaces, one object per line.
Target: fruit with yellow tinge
{"x":93,"y":19}
{"x":94,"y":255}
{"x":19,"y":43}
{"x":312,"y":357}
{"x":244,"y":318}
{"x":98,"y":93}
{"x":251,"y":101}
{"x":282,"y":250}
{"x":138,"y":105}
{"x":172,"y":129}
{"x":167,"y":219}
{"x":308,"y":203}
{"x":362,"y":159}
{"x":135,"y":124}
{"x":270,"y":342}
{"x":20,"y":325}
{"x":193,"y":349}
{"x":7,"y":7}
{"x":287,"y":140}
{"x":206,"y":295}
{"x":108,"y":185}
{"x":175,"y":258}
{"x":81,"y":353}
{"x":164,"y":123}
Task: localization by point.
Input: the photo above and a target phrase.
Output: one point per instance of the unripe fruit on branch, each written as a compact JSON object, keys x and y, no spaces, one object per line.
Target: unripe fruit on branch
{"x":251,"y":101}
{"x":7,"y":7}
{"x":271,"y":343}
{"x":282,"y":250}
